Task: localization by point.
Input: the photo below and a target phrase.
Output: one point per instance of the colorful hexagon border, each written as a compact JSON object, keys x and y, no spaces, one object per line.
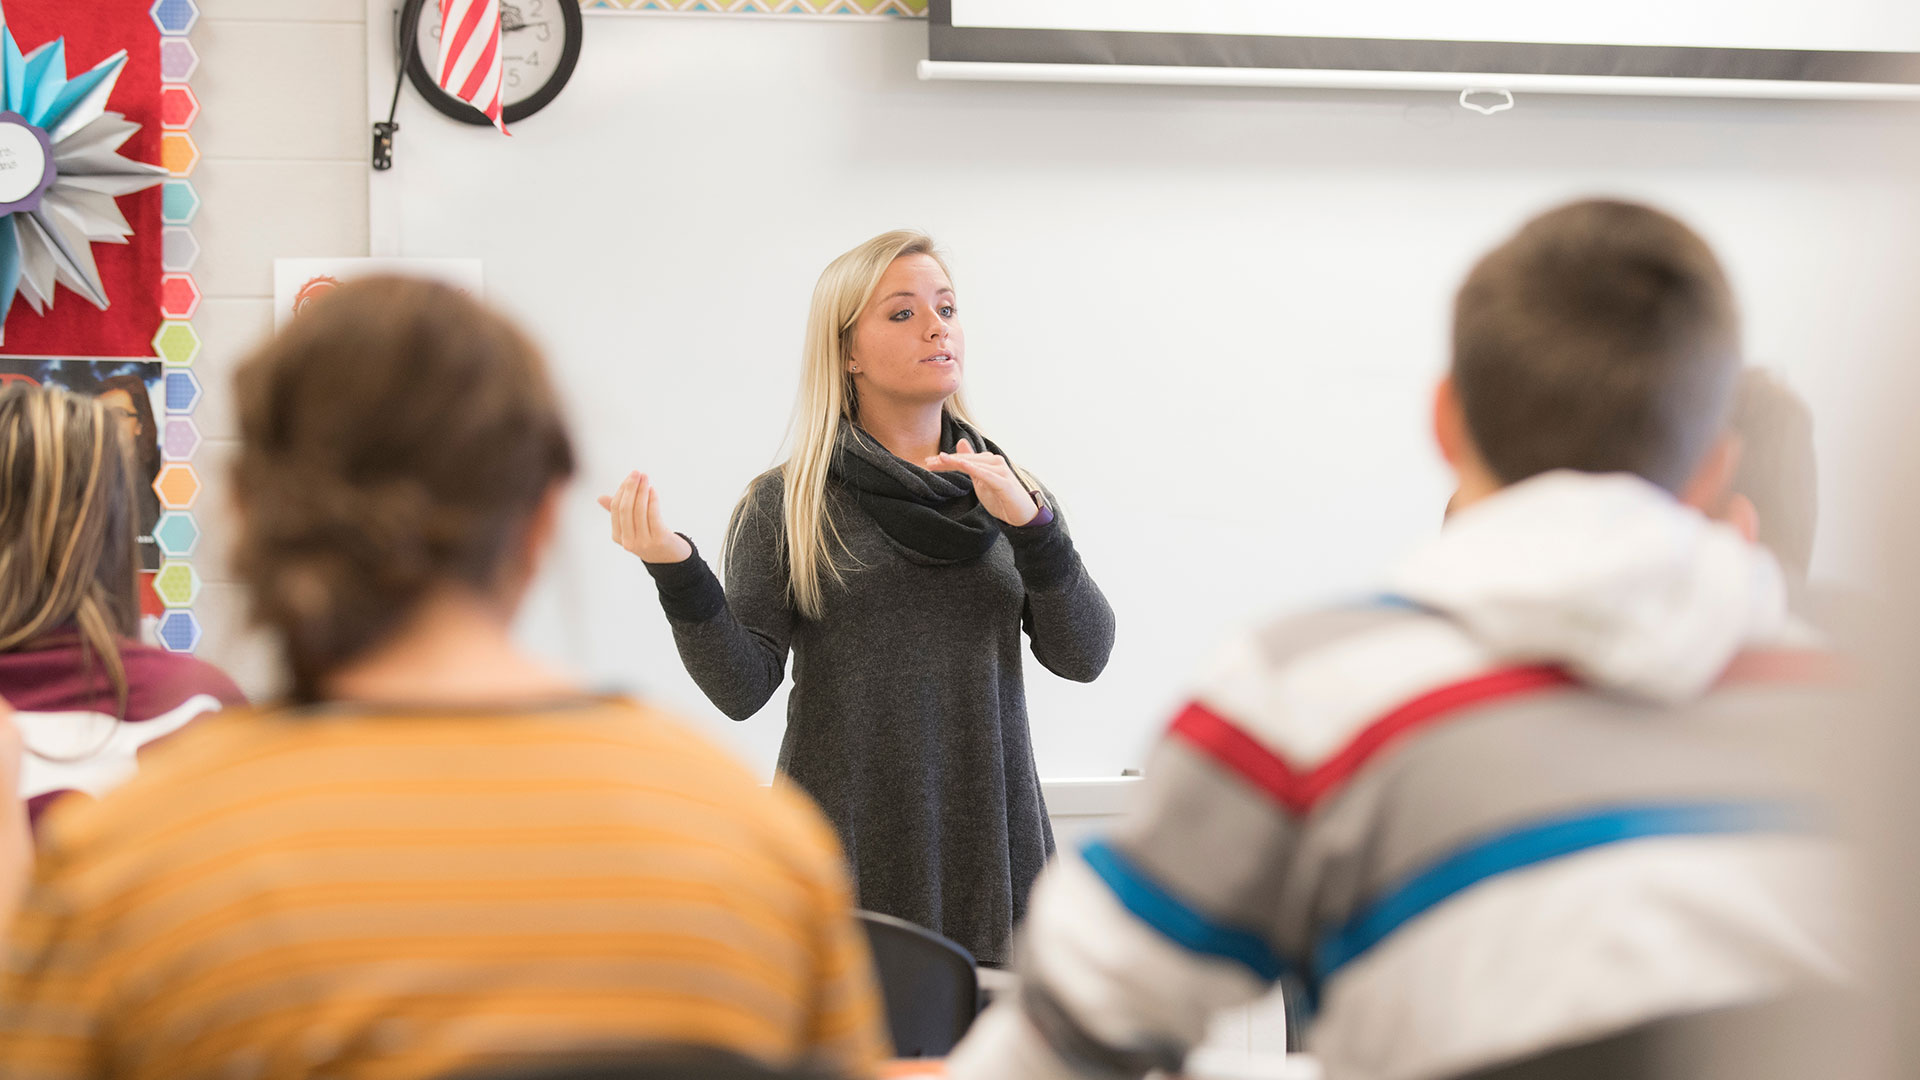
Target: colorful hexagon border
{"x":179,"y":631}
{"x":177,"y":583}
{"x":179,"y":438}
{"x":183,"y":392}
{"x":175,"y":17}
{"x":177,"y":534}
{"x":177,"y":485}
{"x":178,"y":60}
{"x":177,"y":343}
{"x":178,"y":249}
{"x":179,"y":106}
{"x":179,"y":153}
{"x":179,"y":202}
{"x":179,"y":296}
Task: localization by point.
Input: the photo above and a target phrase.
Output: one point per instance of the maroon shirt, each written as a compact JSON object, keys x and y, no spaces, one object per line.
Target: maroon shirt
{"x":65,"y":711}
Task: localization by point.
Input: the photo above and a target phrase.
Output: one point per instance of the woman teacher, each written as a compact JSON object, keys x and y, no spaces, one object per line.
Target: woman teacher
{"x":899,"y":555}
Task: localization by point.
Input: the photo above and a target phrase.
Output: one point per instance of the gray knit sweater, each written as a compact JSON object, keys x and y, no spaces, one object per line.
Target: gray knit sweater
{"x":908,"y":716}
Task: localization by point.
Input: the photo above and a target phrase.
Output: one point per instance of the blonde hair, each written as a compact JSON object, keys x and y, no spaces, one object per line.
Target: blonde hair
{"x":827,"y":401}
{"x":68,"y":552}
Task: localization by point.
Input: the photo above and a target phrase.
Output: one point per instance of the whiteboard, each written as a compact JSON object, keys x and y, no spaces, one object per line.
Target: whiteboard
{"x":1209,"y":319}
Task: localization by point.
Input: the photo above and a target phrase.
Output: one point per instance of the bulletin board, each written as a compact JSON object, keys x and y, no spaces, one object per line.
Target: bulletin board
{"x":110,"y":308}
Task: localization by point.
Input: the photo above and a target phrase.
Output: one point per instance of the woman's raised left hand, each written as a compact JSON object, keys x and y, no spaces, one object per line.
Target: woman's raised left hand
{"x":994,"y":481}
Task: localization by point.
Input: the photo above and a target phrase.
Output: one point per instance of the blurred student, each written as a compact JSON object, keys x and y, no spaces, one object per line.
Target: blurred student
{"x":1534,"y":803}
{"x":90,"y":696}
{"x":439,"y":855}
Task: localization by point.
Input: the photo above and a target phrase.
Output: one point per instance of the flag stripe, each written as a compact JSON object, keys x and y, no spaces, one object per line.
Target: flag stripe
{"x":455,"y":44}
{"x":470,"y":55}
{"x":470,"y":91}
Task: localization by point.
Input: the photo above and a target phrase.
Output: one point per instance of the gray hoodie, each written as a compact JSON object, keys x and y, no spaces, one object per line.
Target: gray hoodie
{"x":1549,"y":790}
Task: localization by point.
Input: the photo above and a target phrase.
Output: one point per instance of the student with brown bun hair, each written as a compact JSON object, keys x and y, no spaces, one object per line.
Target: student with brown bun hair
{"x":438,"y":855}
{"x":91,"y":697}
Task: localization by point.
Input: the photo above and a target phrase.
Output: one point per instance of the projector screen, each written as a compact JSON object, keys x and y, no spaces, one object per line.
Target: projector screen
{"x":1813,"y":48}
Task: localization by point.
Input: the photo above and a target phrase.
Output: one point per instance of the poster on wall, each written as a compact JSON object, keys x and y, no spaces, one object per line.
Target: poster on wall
{"x":298,"y":282}
{"x":132,"y":391}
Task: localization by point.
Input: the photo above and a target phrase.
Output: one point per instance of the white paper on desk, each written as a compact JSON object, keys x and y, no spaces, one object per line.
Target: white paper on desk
{"x":91,"y":751}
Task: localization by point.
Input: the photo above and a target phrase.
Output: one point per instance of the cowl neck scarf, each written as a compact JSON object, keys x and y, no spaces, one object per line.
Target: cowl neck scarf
{"x":935,"y":515}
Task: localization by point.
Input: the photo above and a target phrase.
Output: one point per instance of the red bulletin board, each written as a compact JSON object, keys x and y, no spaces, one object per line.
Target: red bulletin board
{"x":95,"y":30}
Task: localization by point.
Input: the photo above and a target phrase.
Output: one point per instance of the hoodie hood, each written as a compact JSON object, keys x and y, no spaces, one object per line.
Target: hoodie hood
{"x":1606,"y":575}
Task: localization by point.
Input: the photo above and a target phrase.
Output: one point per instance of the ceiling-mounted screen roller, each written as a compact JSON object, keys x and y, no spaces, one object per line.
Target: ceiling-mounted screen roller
{"x":1746,"y":48}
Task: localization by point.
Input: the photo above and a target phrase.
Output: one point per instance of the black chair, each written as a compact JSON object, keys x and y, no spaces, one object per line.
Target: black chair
{"x":647,"y":1063}
{"x":1293,"y":995}
{"x":928,"y":983}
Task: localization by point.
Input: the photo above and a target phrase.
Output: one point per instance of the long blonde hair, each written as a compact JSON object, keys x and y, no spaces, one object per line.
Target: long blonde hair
{"x":68,"y":553}
{"x":827,"y":401}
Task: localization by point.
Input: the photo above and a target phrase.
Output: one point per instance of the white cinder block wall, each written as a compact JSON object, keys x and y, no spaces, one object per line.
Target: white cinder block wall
{"x":283,"y":140}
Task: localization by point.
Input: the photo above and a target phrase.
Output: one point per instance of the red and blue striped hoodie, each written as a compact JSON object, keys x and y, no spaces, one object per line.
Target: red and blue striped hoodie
{"x":1558,"y":786}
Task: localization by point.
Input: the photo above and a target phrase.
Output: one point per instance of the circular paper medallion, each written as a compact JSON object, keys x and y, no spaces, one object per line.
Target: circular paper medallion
{"x":26,"y":164}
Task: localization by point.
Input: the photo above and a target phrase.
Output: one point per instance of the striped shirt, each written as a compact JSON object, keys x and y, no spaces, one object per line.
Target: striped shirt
{"x":392,"y":895}
{"x":1561,"y":782}
{"x":1464,"y":861}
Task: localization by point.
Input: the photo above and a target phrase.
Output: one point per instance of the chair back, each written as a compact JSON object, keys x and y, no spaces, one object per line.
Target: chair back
{"x":645,"y":1063}
{"x":928,"y":984}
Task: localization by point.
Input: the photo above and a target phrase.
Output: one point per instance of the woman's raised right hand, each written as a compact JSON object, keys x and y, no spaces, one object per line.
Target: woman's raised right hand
{"x":635,"y":509}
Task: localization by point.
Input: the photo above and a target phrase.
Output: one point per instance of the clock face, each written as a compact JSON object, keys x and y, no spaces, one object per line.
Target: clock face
{"x":539,"y":44}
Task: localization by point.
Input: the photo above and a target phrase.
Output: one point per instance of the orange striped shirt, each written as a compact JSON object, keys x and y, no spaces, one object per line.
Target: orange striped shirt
{"x":384,"y":895}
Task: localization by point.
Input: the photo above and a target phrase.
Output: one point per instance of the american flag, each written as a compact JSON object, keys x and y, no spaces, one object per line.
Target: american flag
{"x":470,"y":54}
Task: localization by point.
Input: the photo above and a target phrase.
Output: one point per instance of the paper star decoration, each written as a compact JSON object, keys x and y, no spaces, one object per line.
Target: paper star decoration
{"x":60,"y":171}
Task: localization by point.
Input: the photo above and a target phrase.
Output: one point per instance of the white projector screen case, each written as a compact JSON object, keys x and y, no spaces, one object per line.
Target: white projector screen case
{"x":1827,"y":48}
